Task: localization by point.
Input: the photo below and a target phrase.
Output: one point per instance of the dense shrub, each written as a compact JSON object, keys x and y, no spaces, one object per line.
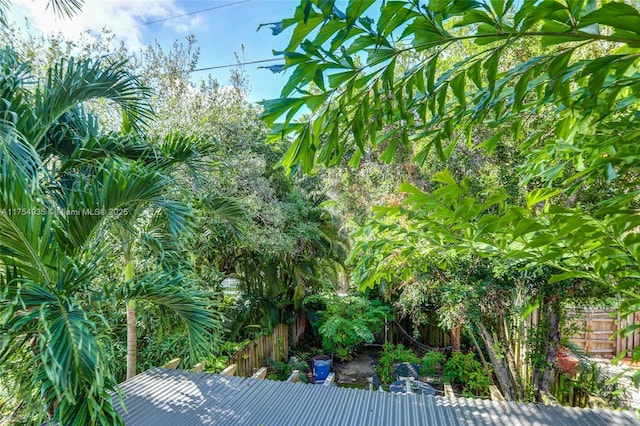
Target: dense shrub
{"x":466,"y":371}
{"x":348,"y":322}
{"x":431,"y":363}
{"x":392,"y":355}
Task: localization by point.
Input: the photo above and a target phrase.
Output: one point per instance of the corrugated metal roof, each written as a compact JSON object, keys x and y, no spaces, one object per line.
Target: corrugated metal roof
{"x":175,"y":397}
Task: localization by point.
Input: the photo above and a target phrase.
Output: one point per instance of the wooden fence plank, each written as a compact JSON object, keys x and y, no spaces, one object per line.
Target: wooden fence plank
{"x":294,"y":377}
{"x":256,"y":353}
{"x":230,"y":370}
{"x":260,"y":374}
{"x":330,"y":380}
{"x":173,"y":364}
{"x":448,"y":391}
{"x":495,"y":394}
{"x":598,"y":334}
{"x":199,"y":367}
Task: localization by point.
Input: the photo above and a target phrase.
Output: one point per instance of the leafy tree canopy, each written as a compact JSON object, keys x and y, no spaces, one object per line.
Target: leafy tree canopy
{"x":379,"y":84}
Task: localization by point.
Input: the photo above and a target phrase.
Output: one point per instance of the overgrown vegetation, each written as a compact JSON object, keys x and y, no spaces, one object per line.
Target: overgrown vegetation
{"x":464,"y":370}
{"x":483,"y":156}
{"x":282,"y":370}
{"x":392,"y":355}
{"x":432,"y":363}
{"x":346,"y":322}
{"x":519,"y":120}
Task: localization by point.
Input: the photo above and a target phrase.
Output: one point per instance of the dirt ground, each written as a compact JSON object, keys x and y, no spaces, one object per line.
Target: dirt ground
{"x":356,"y":371}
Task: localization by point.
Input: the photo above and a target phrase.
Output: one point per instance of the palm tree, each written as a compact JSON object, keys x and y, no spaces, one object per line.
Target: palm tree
{"x":158,"y":219}
{"x":60,"y":178}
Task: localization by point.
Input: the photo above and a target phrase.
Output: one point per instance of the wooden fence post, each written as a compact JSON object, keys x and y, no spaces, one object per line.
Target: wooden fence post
{"x":173,"y":364}
{"x":230,"y":370}
{"x":260,"y":374}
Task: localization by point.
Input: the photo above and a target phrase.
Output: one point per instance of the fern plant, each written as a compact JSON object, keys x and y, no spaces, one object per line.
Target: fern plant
{"x":348,"y":322}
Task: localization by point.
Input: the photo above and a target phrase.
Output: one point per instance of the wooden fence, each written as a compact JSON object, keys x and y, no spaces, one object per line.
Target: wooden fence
{"x":255,"y":354}
{"x":593,"y":327}
{"x":430,"y":335}
{"x":275,"y":346}
{"x":297,"y":329}
{"x":595,"y":331}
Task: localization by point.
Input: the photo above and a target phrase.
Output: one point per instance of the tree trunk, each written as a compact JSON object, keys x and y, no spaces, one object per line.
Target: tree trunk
{"x":516,"y":379}
{"x":499,"y":367}
{"x":132,"y":336}
{"x":551,"y":358}
{"x":481,"y":355}
{"x":132,"y":343}
{"x":455,"y":337}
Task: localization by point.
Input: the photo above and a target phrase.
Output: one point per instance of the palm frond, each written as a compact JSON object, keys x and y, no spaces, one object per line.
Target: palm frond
{"x":4,"y":8}
{"x":76,"y":141}
{"x":66,"y":8}
{"x":229,"y":211}
{"x":71,"y":82}
{"x":18,"y":159}
{"x":180,"y":149}
{"x":192,"y":154}
{"x":26,"y":239}
{"x":65,"y":363}
{"x":193,"y":308}
{"x":118,"y":191}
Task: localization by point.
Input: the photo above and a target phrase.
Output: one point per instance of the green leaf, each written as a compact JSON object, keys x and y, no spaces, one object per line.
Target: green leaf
{"x":521,"y":89}
{"x":379,"y":55}
{"x":530,"y":309}
{"x":393,"y":14}
{"x":458,"y":87}
{"x":406,"y":187}
{"x":558,"y":66}
{"x":292,"y":154}
{"x":276,"y":108}
{"x":526,"y":226}
{"x":491,"y":68}
{"x":304,"y":28}
{"x":555,"y":30}
{"x":490,"y":144}
{"x":318,"y":79}
{"x":615,"y":15}
{"x":388,"y":154}
{"x":475,"y":17}
{"x":475,"y":75}
{"x":337,"y":79}
{"x":556,"y":278}
{"x":540,"y":195}
{"x":445,"y":177}
{"x":425,"y":33}
{"x":355,"y":159}
{"x":616,"y":359}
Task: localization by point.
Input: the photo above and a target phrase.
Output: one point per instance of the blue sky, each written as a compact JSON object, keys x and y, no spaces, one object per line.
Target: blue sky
{"x":219,"y":32}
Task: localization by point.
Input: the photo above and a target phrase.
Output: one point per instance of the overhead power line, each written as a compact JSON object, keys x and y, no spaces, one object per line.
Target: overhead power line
{"x":206,"y":10}
{"x":235,"y":65}
{"x":193,"y":13}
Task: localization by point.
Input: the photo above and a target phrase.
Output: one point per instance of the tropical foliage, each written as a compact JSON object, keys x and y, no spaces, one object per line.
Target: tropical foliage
{"x":465,"y":370}
{"x":65,"y":185}
{"x":143,"y":218}
{"x":484,"y":153}
{"x":348,"y":321}
{"x":379,"y":85}
{"x":392,"y":355}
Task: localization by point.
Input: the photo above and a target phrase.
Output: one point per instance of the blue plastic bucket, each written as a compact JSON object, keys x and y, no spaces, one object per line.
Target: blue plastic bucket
{"x":321,"y":369}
